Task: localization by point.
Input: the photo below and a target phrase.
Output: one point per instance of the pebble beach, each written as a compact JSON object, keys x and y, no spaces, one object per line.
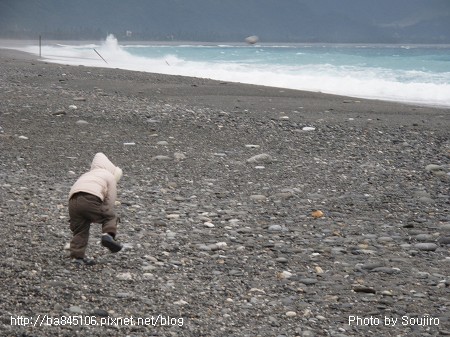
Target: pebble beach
{"x":245,"y":210}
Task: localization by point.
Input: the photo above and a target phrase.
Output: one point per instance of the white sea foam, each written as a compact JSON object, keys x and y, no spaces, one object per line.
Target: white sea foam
{"x":413,"y":86}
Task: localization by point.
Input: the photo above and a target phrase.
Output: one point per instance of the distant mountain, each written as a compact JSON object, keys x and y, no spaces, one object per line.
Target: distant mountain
{"x":336,"y":21}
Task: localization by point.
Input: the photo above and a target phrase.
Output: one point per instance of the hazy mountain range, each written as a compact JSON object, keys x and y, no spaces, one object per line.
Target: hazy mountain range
{"x":358,"y":21}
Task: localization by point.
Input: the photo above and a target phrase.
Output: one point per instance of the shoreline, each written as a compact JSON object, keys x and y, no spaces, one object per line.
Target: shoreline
{"x":218,"y":204}
{"x":444,"y":105}
{"x":22,"y":55}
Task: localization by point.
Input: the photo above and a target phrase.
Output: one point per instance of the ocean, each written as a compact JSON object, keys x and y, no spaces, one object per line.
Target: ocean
{"x":405,"y":73}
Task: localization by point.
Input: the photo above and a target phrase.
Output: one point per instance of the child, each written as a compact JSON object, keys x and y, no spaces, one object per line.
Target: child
{"x":92,"y":199}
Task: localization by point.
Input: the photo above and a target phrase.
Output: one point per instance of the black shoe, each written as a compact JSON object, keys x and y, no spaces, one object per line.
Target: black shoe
{"x":83,"y":262}
{"x":109,"y":242}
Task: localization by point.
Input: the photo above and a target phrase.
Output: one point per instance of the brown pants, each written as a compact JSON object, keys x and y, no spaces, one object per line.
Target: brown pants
{"x":84,"y":209}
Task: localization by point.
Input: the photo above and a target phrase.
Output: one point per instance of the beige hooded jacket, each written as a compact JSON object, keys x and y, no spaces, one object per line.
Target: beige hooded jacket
{"x":100,"y":181}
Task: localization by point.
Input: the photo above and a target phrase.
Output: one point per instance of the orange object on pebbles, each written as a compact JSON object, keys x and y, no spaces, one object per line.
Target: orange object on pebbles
{"x":317,"y":214}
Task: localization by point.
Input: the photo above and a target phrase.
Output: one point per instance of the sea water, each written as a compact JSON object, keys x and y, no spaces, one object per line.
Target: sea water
{"x":408,"y":73}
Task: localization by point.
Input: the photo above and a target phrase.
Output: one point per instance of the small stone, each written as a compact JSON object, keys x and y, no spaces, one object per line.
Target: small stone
{"x":424,"y":237}
{"x":129,"y":144}
{"x":426,"y":200}
{"x":163,"y":143}
{"x":59,"y":113}
{"x":161,"y":158}
{"x":433,"y":167}
{"x":291,"y":314}
{"x":209,"y":225}
{"x":308,"y":128}
{"x":281,"y":260}
{"x":284,"y":275}
{"x":79,"y":99}
{"x":23,"y":137}
{"x":148,"y":276}
{"x":386,"y":270}
{"x":372,"y":265}
{"x":251,"y":146}
{"x":260,"y":158}
{"x":81,"y":122}
{"x":180,"y":302}
{"x":124,"y":276}
{"x":258,"y":197}
{"x":426,"y":246}
{"x":317,"y":214}
{"x":73,"y":107}
{"x":387,"y":293}
{"x":101,"y":313}
{"x":179,"y":156}
{"x":75,"y":309}
{"x":444,"y":240}
{"x":221,"y":245}
{"x":363,"y":289}
{"x":385,"y":239}
{"x":275,"y":228}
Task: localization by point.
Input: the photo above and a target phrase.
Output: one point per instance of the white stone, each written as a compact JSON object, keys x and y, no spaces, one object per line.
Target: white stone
{"x":148,"y":276}
{"x":275,"y":228}
{"x":221,"y":244}
{"x":161,"y":157}
{"x":179,"y":156}
{"x":258,"y":197}
{"x":260,"y":158}
{"x":124,"y":276}
{"x":433,"y":167}
{"x":285,"y":274}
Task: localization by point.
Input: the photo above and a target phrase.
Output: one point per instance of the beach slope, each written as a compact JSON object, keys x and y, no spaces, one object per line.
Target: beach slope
{"x":246,"y":210}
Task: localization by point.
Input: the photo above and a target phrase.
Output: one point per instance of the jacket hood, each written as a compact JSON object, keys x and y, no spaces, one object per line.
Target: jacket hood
{"x":100,"y":161}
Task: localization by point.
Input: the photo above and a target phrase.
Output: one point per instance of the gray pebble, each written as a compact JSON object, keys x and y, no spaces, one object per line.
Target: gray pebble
{"x":75,"y":310}
{"x":275,"y":228}
{"x":425,"y":246}
{"x":433,"y":167}
{"x":444,"y":240}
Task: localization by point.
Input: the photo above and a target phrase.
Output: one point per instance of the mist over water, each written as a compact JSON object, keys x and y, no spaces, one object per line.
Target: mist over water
{"x":413,"y":74}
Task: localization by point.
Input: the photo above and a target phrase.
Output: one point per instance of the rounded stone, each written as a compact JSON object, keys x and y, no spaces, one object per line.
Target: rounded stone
{"x":426,"y":246}
{"x":275,"y":228}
